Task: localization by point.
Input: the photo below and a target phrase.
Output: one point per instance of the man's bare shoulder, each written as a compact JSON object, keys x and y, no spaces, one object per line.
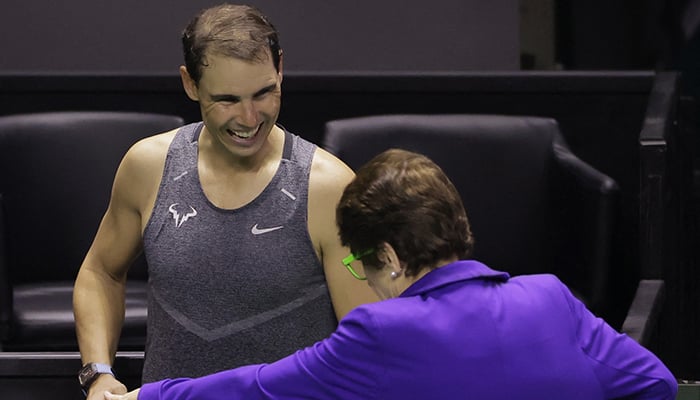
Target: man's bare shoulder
{"x":143,"y":163}
{"x":152,"y":149}
{"x":328,"y":172}
{"x":138,"y":177}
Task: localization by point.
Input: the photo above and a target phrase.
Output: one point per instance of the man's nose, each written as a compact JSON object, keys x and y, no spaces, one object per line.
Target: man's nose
{"x":249,"y":114}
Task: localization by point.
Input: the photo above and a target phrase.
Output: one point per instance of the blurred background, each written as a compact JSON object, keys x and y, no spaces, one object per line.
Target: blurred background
{"x":362,"y":35}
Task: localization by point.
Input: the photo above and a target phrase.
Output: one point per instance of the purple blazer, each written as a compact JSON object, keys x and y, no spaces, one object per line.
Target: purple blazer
{"x":463,"y":331}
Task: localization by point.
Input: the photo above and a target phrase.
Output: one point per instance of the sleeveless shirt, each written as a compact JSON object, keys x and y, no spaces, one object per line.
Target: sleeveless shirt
{"x":231,"y":287}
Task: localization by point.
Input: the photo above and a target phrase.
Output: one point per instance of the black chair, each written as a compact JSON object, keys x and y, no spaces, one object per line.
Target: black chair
{"x":533,"y":205}
{"x":56,"y":173}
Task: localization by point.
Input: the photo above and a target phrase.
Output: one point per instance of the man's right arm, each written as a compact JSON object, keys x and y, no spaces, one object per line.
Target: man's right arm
{"x":98,"y":297}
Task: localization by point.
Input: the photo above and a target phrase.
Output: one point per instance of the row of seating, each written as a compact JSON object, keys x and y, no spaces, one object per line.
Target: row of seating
{"x":534,"y":207}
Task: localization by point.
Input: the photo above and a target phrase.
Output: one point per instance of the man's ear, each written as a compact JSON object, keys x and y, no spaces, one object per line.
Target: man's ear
{"x":188,"y":84}
{"x":280,"y":69}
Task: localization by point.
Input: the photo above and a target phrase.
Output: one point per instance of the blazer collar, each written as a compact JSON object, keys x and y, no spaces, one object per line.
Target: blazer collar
{"x":454,"y":272}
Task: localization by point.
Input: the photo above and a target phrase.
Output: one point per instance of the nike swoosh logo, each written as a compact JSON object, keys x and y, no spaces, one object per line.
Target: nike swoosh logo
{"x":259,"y":231}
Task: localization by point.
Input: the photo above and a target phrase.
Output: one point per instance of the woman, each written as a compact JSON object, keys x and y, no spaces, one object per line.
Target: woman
{"x":450,"y":327}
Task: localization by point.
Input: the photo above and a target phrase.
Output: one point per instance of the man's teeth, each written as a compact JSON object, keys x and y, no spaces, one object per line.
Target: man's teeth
{"x":242,"y":134}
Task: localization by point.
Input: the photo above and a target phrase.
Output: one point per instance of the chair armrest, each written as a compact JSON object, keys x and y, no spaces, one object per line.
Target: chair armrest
{"x":586,"y":175}
{"x":585,"y":224}
{"x":644,"y":311}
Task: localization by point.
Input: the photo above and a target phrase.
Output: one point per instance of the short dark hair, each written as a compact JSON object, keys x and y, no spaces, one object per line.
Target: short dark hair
{"x":404,"y":199}
{"x":238,"y":31}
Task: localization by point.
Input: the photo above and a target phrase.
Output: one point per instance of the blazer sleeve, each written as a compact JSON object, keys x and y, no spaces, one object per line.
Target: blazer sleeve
{"x":345,"y":365}
{"x":623,"y":367}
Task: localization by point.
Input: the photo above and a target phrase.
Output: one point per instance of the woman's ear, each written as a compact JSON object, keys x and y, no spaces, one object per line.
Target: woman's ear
{"x":388,"y":257}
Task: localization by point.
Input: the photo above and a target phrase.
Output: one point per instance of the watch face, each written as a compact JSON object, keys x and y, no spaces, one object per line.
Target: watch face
{"x":89,"y":372}
{"x":86,"y":374}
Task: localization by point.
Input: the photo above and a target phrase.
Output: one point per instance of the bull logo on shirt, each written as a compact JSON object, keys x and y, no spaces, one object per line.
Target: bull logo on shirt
{"x":178,"y":216}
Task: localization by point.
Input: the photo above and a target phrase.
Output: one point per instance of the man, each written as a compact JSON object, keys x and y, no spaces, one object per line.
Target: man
{"x":236,"y":217}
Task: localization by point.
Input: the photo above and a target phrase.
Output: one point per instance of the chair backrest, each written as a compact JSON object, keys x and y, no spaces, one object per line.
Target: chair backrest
{"x":513,"y":176}
{"x":56,"y":173}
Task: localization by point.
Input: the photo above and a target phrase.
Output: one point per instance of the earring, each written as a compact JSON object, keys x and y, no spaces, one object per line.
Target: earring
{"x":394,"y":275}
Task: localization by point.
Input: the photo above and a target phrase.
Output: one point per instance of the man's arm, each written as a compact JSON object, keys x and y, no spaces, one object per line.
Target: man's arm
{"x":98,"y":297}
{"x":329,"y":177}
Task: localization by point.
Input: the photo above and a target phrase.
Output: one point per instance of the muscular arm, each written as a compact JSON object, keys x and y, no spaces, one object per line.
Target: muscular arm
{"x":329,"y":176}
{"x":98,"y":296}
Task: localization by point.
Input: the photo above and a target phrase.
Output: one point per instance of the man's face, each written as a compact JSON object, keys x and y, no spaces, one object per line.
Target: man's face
{"x":240,"y":102}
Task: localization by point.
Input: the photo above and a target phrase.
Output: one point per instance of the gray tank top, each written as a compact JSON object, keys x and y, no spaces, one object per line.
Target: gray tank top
{"x":231,"y":287}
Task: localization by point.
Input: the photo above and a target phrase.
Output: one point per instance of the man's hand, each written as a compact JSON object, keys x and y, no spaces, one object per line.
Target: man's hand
{"x":105,"y":383}
{"x":133,"y":395}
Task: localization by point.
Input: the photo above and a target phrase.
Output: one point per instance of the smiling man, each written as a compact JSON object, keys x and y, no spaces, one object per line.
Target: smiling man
{"x":236,"y":217}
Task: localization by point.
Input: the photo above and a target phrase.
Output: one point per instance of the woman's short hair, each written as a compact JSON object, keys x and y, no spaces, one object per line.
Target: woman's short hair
{"x":229,"y":30}
{"x":405,"y":199}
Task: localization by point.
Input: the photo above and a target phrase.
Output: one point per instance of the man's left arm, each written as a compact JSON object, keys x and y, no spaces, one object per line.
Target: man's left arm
{"x":329,"y":177}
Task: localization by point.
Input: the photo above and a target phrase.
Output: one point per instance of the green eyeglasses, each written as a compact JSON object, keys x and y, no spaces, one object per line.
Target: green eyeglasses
{"x":352,"y":257}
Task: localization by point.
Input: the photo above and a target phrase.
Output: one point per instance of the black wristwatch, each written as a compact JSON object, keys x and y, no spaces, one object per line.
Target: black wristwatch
{"x":90,"y":372}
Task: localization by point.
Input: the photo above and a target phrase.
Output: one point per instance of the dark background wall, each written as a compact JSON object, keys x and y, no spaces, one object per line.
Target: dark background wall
{"x":362,"y":35}
{"x":317,"y":35}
